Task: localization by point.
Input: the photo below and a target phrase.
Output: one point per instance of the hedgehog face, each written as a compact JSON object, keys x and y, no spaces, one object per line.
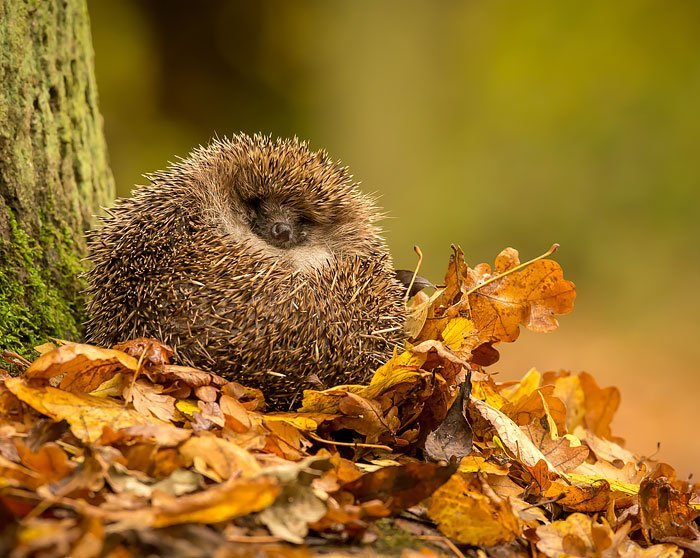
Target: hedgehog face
{"x":284,"y":202}
{"x":278,"y":224}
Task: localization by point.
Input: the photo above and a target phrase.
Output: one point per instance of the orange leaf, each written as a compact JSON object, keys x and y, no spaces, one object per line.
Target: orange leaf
{"x":83,"y":367}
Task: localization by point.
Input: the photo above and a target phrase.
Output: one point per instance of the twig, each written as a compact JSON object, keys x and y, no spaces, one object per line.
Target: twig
{"x":347,"y":444}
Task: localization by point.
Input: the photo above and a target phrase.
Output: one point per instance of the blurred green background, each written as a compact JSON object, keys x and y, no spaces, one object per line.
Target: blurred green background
{"x":487,"y":125}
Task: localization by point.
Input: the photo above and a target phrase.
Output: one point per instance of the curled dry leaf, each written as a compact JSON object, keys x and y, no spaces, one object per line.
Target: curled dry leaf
{"x":148,"y":350}
{"x":665,"y":510}
{"x":453,"y":438}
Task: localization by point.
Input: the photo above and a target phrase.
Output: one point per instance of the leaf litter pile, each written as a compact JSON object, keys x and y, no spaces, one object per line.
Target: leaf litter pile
{"x":117,"y":452}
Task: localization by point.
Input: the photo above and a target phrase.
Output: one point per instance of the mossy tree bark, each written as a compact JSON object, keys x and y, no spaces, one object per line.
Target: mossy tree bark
{"x":54,"y":172}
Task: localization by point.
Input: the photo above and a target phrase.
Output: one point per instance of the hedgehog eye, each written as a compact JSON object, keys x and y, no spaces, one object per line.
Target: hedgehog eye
{"x":253,"y":206}
{"x":306,"y":221}
{"x":254,"y":203}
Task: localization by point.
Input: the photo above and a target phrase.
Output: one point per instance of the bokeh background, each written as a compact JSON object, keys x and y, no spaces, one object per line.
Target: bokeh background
{"x":484,"y":124}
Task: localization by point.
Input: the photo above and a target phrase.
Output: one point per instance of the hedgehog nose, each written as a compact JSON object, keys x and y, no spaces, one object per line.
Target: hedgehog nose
{"x":282,"y":232}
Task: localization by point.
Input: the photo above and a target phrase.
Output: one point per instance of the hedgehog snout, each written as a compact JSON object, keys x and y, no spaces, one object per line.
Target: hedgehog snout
{"x":281,"y":231}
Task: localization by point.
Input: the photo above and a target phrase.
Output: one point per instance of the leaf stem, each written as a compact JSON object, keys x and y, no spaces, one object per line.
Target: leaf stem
{"x":417,"y":250}
{"x":348,"y":444}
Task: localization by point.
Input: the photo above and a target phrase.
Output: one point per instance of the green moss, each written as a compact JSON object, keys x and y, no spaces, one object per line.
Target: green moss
{"x":392,"y":540}
{"x":34,"y":301}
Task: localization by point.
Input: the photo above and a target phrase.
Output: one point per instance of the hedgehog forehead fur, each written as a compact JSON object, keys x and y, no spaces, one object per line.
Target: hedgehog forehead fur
{"x":255,"y":258}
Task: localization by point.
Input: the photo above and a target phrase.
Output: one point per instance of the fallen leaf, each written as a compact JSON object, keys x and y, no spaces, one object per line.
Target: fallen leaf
{"x":150,"y":351}
{"x":221,"y":502}
{"x":290,"y":516}
{"x":400,"y":487}
{"x":665,"y":511}
{"x":453,"y":438}
{"x":148,"y":399}
{"x":512,"y":437}
{"x":530,"y":297}
{"x":82,"y":367}
{"x":559,"y":452}
{"x":218,"y":459}
{"x":601,"y":405}
{"x":87,"y":415}
{"x":469,"y":517}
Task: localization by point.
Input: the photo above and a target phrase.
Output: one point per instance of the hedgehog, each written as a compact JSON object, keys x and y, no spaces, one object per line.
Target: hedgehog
{"x":255,"y":258}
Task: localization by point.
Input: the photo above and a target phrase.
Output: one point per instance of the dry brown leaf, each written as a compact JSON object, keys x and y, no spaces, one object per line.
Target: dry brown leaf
{"x":593,"y":497}
{"x":560,"y":451}
{"x":453,"y":438}
{"x":148,"y":399}
{"x":601,"y":405}
{"x":511,"y":436}
{"x":665,"y":510}
{"x":235,"y":414}
{"x":530,"y":297}
{"x":400,"y":487}
{"x":150,"y":351}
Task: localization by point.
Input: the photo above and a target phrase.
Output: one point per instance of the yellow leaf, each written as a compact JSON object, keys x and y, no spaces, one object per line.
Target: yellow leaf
{"x":112,"y":387}
{"x":222,"y":502}
{"x":307,"y":421}
{"x":218,"y":458}
{"x":457,"y":332}
{"x":400,"y":368}
{"x":86,"y":414}
{"x":477,"y":464}
{"x":523,"y":388}
{"x":470,"y":517}
{"x":187,"y":407}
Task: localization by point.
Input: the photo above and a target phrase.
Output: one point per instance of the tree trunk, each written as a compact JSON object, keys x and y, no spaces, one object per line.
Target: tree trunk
{"x":54,"y":172}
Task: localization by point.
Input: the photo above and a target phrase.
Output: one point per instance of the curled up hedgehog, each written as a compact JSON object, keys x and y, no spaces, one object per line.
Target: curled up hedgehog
{"x":254,"y":258}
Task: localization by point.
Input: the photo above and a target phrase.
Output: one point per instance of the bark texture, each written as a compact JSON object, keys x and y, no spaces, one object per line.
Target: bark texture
{"x":54,"y":172}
